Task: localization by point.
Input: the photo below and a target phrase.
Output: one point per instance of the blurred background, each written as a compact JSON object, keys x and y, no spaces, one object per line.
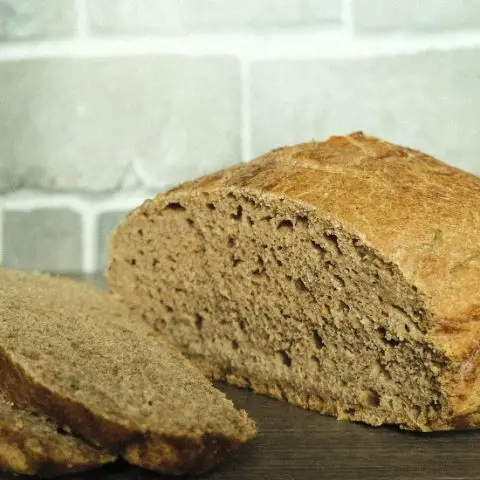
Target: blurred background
{"x":106,"y":102}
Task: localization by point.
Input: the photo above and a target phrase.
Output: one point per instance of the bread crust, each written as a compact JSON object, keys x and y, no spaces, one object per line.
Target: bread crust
{"x":417,"y":213}
{"x":31,"y":444}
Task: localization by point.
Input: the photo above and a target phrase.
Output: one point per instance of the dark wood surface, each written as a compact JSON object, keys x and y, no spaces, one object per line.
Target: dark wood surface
{"x":298,"y":444}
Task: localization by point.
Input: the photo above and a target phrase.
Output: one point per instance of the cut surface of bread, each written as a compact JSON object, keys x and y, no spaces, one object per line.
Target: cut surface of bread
{"x":72,"y":353}
{"x":33,"y":444}
{"x":342,"y":276}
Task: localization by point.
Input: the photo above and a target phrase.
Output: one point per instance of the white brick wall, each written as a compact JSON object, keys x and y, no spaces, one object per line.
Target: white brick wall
{"x":106,"y":102}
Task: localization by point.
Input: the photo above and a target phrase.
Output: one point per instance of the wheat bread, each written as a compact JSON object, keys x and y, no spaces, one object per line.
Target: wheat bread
{"x":342,"y":276}
{"x":70,"y":352}
{"x":33,"y":444}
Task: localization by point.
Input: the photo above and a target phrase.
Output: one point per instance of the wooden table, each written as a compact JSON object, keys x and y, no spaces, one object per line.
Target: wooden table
{"x":298,"y":444}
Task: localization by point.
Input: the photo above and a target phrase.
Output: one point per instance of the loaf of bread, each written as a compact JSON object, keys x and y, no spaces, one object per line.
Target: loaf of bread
{"x":342,"y":276}
{"x":32,"y":444}
{"x":72,"y":354}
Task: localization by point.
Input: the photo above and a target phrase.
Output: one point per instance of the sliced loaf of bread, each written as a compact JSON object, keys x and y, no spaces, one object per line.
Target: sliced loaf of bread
{"x":33,"y":444}
{"x":72,"y":353}
{"x":342,"y":276}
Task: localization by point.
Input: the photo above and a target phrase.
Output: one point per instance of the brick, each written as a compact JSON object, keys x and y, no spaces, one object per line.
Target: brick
{"x":31,"y":19}
{"x":430,"y":101}
{"x":425,"y":15}
{"x":43,"y":239}
{"x":78,"y":124}
{"x":107,"y":222}
{"x":187,"y":16}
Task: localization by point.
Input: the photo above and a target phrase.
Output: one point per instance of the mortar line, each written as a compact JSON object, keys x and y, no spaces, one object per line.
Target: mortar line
{"x":348,"y":17}
{"x":304,"y":45}
{"x":82,"y":19}
{"x":89,"y":241}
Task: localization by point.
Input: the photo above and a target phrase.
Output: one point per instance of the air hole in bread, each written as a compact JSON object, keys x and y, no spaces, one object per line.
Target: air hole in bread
{"x":301,"y":221}
{"x":315,"y":360}
{"x":285,"y":225}
{"x":419,"y":313}
{"x":300,"y":286}
{"x":330,"y":265}
{"x":360,"y":249}
{"x":436,"y":407}
{"x":211,"y":206}
{"x":332,"y":240}
{"x":343,"y":307}
{"x":235,"y":345}
{"x":285,"y":358}
{"x":238,"y":214}
{"x":320,"y":248}
{"x":387,"y":338}
{"x":242,"y":325}
{"x":63,"y":430}
{"x":199,"y":321}
{"x":318,"y":340}
{"x":373,"y":398}
{"x":190,"y":222}
{"x":175,"y":207}
{"x":338,"y":282}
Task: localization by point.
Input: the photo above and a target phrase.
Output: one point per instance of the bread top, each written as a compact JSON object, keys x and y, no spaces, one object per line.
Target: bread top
{"x":79,"y":346}
{"x":413,"y":210}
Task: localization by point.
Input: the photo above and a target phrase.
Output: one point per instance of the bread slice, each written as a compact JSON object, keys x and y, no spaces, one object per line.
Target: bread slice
{"x":342,"y":276}
{"x":32,"y":444}
{"x":72,"y":353}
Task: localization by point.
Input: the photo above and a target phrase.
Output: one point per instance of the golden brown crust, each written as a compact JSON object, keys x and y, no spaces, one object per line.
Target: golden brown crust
{"x":19,"y":457}
{"x":414,"y":211}
{"x":181,"y":455}
{"x":32,"y":444}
